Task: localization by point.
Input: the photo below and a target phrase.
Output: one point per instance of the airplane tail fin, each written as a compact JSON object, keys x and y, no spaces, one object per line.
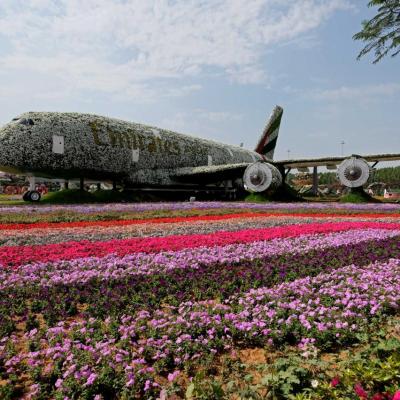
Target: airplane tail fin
{"x":267,"y":143}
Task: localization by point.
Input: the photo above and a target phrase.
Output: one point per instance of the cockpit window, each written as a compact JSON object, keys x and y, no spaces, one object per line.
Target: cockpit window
{"x":23,"y":121}
{"x":26,"y":121}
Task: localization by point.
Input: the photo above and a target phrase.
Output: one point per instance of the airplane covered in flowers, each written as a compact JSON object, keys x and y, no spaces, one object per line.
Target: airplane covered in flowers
{"x":86,"y":146}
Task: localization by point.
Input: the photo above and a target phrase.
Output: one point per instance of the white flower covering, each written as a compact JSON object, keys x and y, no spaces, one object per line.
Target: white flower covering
{"x":104,"y":148}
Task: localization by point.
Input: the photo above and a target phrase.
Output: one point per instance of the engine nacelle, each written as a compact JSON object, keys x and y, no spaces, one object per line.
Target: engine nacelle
{"x":261,"y":176}
{"x":353,"y":172}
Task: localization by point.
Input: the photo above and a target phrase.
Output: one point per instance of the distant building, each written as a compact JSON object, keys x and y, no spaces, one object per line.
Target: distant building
{"x":391,"y":194}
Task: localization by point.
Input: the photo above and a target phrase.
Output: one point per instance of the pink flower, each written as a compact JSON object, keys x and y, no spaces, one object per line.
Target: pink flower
{"x":91,"y":379}
{"x":171,"y":377}
{"x":18,"y":255}
{"x":58,"y":383}
{"x":396,"y":395}
{"x":147,"y":385}
{"x":360,"y":392}
{"x":131,"y":382}
{"x":335,"y":381}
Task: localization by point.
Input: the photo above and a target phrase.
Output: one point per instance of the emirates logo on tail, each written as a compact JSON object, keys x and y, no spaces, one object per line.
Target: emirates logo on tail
{"x":266,"y":145}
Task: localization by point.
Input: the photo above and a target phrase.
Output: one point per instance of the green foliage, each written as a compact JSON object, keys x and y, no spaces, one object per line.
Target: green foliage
{"x":24,"y":217}
{"x":287,"y":376}
{"x":202,"y":388}
{"x":10,"y":392}
{"x":358,"y":195}
{"x":284,"y":193}
{"x":68,"y":196}
{"x":382,"y":32}
{"x":31,"y":323}
{"x":375,"y":369}
{"x":372,"y":366}
{"x":389,"y":175}
{"x":327,"y":178}
{"x":257,"y":198}
{"x":74,"y":196}
{"x":7,"y":326}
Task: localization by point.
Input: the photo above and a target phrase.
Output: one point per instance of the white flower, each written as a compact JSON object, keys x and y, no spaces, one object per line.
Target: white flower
{"x":314,"y":383}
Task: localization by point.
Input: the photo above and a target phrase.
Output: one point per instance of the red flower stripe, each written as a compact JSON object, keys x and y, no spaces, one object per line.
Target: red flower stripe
{"x":81,"y":224}
{"x":19,"y":255}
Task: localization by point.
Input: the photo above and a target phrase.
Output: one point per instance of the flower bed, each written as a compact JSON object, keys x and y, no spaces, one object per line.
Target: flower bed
{"x":18,"y":255}
{"x":140,"y":315}
{"x":330,"y":308}
{"x":94,"y":233}
{"x":176,"y":220}
{"x":198,"y":205}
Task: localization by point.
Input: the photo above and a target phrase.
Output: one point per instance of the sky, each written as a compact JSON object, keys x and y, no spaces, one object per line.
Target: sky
{"x":210,"y":68}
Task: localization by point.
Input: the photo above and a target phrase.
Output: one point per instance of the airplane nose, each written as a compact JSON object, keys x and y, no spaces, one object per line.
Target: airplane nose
{"x":10,"y":149}
{"x":3,"y":148}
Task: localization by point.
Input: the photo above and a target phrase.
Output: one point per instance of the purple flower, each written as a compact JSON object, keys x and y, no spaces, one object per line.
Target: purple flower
{"x":58,"y":383}
{"x":91,"y":379}
{"x":173,"y":376}
{"x":147,"y":385}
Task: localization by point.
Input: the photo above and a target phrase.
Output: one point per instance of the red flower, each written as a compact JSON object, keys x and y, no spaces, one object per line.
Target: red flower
{"x":19,"y":255}
{"x":163,"y":220}
{"x":378,"y":396}
{"x":396,"y":395}
{"x":360,"y":392}
{"x":335,"y":381}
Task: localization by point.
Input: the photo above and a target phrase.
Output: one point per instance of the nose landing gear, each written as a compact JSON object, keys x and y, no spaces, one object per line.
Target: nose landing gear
{"x":32,"y":194}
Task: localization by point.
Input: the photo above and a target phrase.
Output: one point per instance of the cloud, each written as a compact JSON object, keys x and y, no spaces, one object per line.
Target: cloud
{"x":199,"y":117}
{"x":215,"y":125}
{"x":130,"y":48}
{"x":358,"y":93}
{"x":218,"y":116}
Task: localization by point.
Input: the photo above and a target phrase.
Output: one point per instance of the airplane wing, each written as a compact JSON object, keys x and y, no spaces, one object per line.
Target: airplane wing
{"x":333,"y":162}
{"x":212,"y":173}
{"x":217,"y":173}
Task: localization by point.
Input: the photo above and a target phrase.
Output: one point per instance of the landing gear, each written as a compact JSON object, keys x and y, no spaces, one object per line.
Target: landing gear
{"x":32,"y":196}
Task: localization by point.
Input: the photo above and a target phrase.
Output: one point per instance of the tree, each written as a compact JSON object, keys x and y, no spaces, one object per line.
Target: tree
{"x":382,"y":33}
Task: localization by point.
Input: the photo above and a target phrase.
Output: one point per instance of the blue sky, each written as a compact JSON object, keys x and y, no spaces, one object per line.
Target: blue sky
{"x":212,"y":68}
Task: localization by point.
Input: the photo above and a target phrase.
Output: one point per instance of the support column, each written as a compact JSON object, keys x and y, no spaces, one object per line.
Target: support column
{"x":32,"y":183}
{"x":286,"y":173}
{"x":315,"y":181}
{"x":81,"y":183}
{"x":114,"y":185}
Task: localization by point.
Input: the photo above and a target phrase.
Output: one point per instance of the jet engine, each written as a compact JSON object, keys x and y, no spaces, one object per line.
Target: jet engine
{"x":261,"y":176}
{"x":353,"y":172}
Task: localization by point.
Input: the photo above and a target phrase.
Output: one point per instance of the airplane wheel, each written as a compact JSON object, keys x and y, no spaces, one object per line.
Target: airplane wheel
{"x":34,"y":196}
{"x":25,"y":196}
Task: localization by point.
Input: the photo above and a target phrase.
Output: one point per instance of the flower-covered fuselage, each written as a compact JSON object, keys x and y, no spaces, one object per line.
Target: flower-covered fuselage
{"x":72,"y":145}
